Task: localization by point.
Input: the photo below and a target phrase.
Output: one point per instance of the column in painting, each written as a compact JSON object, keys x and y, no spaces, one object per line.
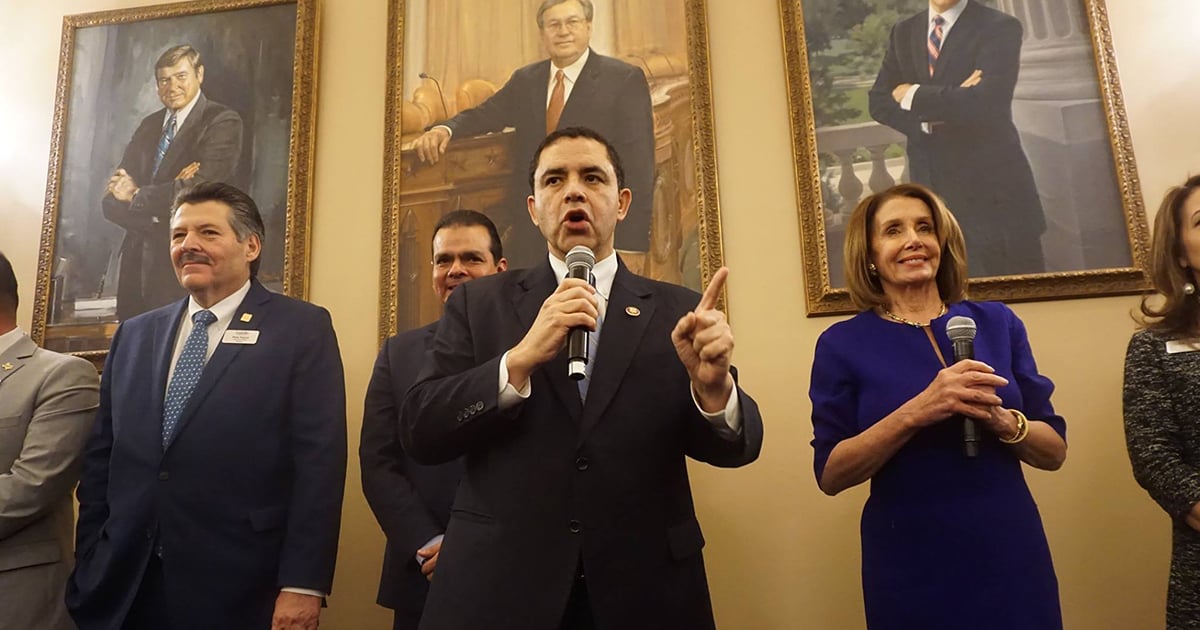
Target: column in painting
{"x":1058,"y":110}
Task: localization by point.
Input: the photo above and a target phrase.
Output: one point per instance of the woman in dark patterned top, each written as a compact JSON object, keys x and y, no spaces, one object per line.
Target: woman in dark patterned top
{"x":1162,"y":393}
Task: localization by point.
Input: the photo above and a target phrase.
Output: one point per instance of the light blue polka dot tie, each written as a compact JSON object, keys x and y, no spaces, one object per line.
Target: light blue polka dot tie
{"x":187,"y":372}
{"x":593,"y":346}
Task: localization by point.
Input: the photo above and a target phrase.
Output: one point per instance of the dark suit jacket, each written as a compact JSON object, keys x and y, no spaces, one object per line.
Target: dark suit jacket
{"x":411,"y":501}
{"x":974,"y":157}
{"x":247,"y":496}
{"x":552,"y":485}
{"x":212,"y":136}
{"x":610,"y":97}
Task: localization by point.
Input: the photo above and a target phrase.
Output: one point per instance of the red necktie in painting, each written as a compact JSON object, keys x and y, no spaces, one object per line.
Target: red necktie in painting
{"x":557,"y":99}
{"x":935,"y":42}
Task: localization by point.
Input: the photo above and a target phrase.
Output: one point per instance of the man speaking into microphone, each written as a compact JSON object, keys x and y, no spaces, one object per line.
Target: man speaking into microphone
{"x":575,"y":510}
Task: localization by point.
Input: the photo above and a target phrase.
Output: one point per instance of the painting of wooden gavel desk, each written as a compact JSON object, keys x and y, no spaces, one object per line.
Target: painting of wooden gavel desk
{"x":675,"y":185}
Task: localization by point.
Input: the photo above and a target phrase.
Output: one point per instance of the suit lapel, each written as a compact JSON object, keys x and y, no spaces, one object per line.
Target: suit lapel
{"x":537,"y":284}
{"x":538,"y":97}
{"x":184,"y":137}
{"x":254,"y":305}
{"x":583,"y":93}
{"x":620,"y":337}
{"x":15,"y":357}
{"x":919,"y":45}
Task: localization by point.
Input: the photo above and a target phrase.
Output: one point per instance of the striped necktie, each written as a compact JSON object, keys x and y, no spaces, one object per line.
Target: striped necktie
{"x":935,"y":41}
{"x":164,"y":143}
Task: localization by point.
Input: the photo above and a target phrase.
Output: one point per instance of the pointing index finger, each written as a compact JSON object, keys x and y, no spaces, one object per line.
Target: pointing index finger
{"x":708,"y":301}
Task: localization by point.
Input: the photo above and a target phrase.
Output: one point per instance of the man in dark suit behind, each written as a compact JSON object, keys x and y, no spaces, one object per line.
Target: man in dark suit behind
{"x":412,"y":501}
{"x":212,"y":484}
{"x":575,"y":509}
{"x":191,"y":140}
{"x":947,"y":84}
{"x":605,"y":94}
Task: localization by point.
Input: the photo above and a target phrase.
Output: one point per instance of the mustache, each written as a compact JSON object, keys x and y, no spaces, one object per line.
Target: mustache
{"x":194,"y":257}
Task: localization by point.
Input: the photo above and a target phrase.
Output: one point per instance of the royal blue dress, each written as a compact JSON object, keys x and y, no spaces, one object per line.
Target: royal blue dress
{"x":948,"y":542}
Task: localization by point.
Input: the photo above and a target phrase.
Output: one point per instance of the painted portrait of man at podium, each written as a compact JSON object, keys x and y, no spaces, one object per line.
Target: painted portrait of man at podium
{"x":481,"y":93}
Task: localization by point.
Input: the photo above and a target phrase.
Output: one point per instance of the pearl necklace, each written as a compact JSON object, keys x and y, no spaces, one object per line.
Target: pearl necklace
{"x":896,"y":318}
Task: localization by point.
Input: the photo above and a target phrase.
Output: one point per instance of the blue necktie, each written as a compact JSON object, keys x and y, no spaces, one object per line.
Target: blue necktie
{"x":593,"y":346}
{"x":164,"y":143}
{"x":187,"y":372}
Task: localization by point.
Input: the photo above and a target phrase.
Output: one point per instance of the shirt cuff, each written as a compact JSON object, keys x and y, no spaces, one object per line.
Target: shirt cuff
{"x":509,"y":396}
{"x":449,"y":131}
{"x":728,"y":421}
{"x":907,"y":101}
{"x":303,"y":591}
{"x":432,"y":541}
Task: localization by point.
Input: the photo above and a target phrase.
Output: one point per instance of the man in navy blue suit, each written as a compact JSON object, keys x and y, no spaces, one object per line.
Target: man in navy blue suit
{"x":595,"y":91}
{"x":412,"y":501}
{"x":575,"y":510}
{"x":212,"y":485}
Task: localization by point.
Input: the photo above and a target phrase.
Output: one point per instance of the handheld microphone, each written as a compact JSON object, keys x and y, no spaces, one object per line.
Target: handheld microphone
{"x":580,"y":261}
{"x":961,"y":331}
{"x":445,"y":109}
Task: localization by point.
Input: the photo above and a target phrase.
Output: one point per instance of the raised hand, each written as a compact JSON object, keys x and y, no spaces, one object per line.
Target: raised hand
{"x":573,"y":304}
{"x":704,"y":342}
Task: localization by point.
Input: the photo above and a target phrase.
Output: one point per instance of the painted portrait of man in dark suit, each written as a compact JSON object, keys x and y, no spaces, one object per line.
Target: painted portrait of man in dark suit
{"x":192,"y":139}
{"x":574,"y":86}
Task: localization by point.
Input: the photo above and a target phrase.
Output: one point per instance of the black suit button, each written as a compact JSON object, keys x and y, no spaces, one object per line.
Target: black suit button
{"x":163,"y":475}
{"x":581,"y":463}
{"x":575,"y":526}
{"x":479,"y":406}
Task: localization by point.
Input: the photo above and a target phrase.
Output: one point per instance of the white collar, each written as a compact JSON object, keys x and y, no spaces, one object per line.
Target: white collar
{"x":951,"y":15}
{"x":183,"y":112}
{"x":571,"y":72}
{"x":604,"y":271}
{"x":10,"y":339}
{"x":224,"y":309}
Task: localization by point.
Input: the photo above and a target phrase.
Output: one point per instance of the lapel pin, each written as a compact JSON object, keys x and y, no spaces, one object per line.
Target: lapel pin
{"x":246,"y":317}
{"x":7,"y":366}
{"x":633,"y":311}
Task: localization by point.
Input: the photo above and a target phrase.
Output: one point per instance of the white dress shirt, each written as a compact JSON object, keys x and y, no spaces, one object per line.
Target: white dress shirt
{"x":182,"y":114}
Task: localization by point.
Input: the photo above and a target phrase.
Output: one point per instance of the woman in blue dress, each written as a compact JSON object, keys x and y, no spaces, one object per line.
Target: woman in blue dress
{"x":948,"y":541}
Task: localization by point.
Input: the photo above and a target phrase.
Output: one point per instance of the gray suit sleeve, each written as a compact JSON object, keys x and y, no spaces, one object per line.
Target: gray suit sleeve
{"x":48,"y":465}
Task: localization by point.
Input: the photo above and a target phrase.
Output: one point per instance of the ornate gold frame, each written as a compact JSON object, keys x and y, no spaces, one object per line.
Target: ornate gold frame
{"x":704,"y":154}
{"x":824,"y":299}
{"x":300,"y":155}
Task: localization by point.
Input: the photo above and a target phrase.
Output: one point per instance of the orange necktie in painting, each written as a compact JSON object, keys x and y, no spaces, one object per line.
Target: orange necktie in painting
{"x":557,"y":97}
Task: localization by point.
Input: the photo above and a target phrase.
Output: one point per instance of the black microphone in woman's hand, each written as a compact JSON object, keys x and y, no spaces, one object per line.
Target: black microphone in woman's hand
{"x":961,"y":331}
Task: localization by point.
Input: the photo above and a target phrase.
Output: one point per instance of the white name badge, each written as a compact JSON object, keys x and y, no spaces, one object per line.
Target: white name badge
{"x":244,"y":337}
{"x":1183,"y":345}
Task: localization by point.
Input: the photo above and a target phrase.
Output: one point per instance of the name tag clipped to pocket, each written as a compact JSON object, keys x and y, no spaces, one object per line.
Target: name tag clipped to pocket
{"x":1175,"y":346}
{"x":243,"y":337}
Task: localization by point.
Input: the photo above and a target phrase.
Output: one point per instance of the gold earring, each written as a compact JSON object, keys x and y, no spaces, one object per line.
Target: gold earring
{"x":871,"y":269}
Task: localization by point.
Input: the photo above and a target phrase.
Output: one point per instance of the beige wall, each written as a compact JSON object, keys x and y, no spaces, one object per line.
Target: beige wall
{"x":780,"y":554}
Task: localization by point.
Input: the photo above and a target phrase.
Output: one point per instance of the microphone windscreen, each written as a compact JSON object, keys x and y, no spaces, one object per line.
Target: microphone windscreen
{"x":960,"y":328}
{"x":581,"y":255}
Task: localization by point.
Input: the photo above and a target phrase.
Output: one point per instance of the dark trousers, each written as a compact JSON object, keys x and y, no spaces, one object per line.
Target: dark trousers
{"x":150,"y":610}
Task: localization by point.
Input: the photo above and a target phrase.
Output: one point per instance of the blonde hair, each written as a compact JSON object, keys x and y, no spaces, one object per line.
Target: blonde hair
{"x":865,"y":289}
{"x":1179,"y":312}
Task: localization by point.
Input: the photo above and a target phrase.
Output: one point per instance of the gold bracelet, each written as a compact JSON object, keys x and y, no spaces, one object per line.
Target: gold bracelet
{"x":1022,"y":428}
